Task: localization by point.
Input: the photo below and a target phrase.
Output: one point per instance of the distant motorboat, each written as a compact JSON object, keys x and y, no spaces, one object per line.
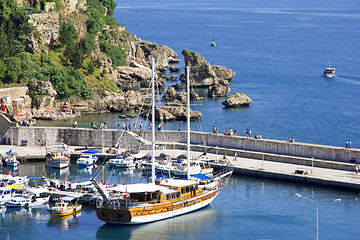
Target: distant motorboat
{"x":329,"y":72}
{"x":213,"y":44}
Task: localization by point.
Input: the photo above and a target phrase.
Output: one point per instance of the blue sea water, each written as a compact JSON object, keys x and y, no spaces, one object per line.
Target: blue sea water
{"x":278,"y":50}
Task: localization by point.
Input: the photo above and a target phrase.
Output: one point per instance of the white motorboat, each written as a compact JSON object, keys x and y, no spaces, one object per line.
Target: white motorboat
{"x":57,"y":156}
{"x":329,"y":72}
{"x":5,"y":195}
{"x":26,"y":200}
{"x":8,"y":179}
{"x":10,"y":159}
{"x":127,"y":162}
{"x":87,"y":158}
{"x":111,"y":163}
{"x":213,"y":44}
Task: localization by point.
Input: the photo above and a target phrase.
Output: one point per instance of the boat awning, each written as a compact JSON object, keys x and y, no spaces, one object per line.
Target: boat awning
{"x":172,"y":182}
{"x":139,"y":187}
{"x":201,"y":176}
{"x":139,"y":155}
{"x":91,"y":151}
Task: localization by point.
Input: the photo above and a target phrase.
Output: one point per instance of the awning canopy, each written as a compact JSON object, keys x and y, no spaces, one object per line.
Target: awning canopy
{"x":91,"y":151}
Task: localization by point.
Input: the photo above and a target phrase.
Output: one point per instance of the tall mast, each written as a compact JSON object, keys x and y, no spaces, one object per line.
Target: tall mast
{"x":188,"y":120}
{"x":153,"y":177}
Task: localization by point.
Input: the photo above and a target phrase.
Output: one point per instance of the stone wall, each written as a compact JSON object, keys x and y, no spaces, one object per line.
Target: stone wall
{"x":229,"y":144}
{"x":14,"y":92}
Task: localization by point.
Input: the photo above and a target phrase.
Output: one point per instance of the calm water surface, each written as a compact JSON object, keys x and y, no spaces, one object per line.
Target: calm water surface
{"x":278,"y":50}
{"x":247,"y":208}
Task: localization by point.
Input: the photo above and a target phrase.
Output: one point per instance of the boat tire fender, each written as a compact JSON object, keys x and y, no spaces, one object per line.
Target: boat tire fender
{"x":61,"y":209}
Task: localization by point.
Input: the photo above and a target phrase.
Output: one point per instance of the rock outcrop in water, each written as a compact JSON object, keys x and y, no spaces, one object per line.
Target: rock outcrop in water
{"x":218,"y":90}
{"x":237,"y":100}
{"x":202,"y":74}
{"x":173,"y":112}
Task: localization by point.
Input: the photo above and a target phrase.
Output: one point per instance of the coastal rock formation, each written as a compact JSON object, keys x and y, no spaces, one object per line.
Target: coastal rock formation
{"x":178,"y":86}
{"x":43,"y":92}
{"x":108,"y":102}
{"x":171,"y":78}
{"x":159,"y":84}
{"x":237,"y":100}
{"x":175,"y":111}
{"x":171,"y":95}
{"x":202,"y":74}
{"x":174,"y":68}
{"x":174,"y":60}
{"x":39,"y":87}
{"x":218,"y":90}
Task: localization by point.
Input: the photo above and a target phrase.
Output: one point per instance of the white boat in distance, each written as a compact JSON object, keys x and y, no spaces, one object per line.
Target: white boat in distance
{"x":57,"y":156}
{"x":329,"y":72}
{"x":213,"y":44}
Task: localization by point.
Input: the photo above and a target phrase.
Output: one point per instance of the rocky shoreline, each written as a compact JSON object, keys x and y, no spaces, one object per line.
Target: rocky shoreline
{"x":132,"y":81}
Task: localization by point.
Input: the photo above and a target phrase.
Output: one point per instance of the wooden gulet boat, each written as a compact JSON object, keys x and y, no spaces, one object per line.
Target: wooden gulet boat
{"x":158,"y":200}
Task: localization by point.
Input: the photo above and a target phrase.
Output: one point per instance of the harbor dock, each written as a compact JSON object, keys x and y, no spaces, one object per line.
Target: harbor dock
{"x":307,"y":174}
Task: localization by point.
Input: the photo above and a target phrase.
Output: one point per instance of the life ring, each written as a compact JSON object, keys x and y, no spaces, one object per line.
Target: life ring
{"x":166,"y":181}
{"x":61,"y":209}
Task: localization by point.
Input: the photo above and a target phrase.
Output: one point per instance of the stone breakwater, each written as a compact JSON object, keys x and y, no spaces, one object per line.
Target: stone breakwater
{"x":267,"y":149}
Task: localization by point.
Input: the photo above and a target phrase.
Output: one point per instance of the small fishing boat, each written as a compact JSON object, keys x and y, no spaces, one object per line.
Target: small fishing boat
{"x":213,"y":44}
{"x":87,"y":158}
{"x":329,"y":72}
{"x":57,"y":156}
{"x":63,"y":208}
{"x":10,"y":159}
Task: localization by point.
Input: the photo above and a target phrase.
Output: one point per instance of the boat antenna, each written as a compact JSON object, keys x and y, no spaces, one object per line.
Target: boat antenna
{"x":188,"y":120}
{"x":153,"y":122}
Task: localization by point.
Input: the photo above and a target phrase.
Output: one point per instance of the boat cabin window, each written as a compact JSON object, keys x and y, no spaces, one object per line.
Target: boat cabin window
{"x":174,"y":195}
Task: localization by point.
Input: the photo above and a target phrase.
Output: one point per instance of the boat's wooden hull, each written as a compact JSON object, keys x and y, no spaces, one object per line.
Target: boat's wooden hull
{"x":156,"y":212}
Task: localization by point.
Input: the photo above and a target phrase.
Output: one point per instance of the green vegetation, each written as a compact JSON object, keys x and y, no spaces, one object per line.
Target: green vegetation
{"x":70,"y":64}
{"x":116,"y":54}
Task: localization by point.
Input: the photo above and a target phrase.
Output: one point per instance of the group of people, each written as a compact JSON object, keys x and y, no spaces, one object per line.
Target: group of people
{"x":230,"y":132}
{"x":26,"y":123}
{"x":102,"y":125}
{"x":348,"y":144}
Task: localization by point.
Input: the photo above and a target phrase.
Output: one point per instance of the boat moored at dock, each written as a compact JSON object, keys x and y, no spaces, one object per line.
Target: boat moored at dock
{"x":57,"y":156}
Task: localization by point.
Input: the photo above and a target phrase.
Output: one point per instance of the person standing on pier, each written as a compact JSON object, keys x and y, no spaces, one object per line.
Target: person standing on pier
{"x":349,"y":143}
{"x":179,"y":126}
{"x":214,"y":129}
{"x":357,"y":168}
{"x":141,"y":125}
{"x":346,"y":143}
